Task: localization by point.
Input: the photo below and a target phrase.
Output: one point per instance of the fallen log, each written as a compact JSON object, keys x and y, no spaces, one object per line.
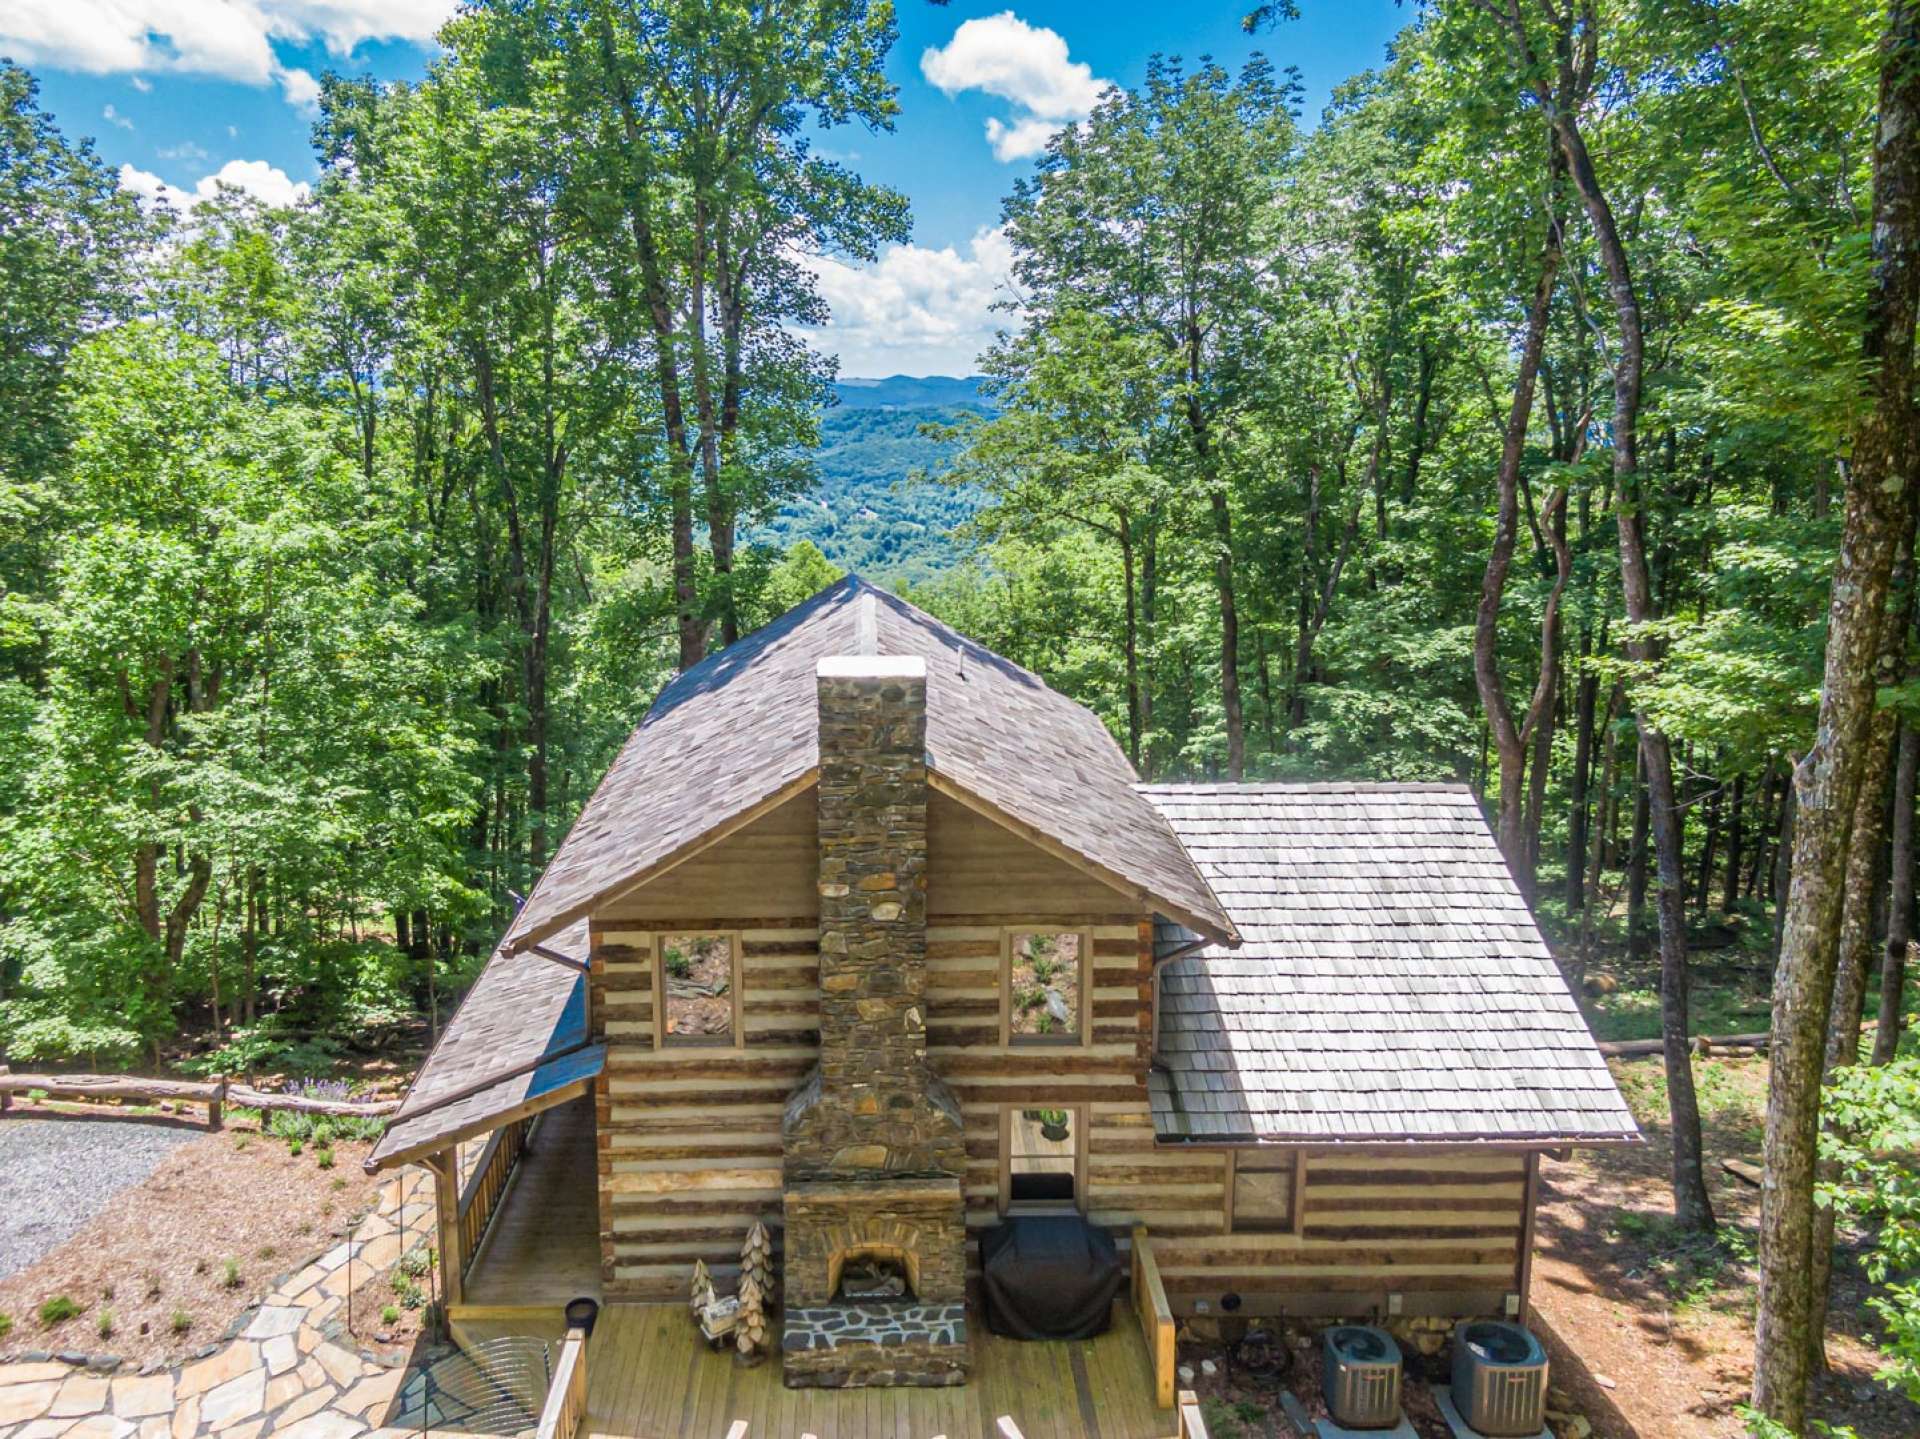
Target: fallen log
{"x":299,"y":1103}
{"x":1702,"y":1044}
{"x":1742,"y":1170}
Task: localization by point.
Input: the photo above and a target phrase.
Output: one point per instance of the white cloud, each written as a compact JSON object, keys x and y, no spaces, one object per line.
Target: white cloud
{"x":229,"y":39}
{"x":185,"y":150}
{"x":265,"y":182}
{"x":147,"y":185}
{"x":141,"y":84}
{"x":301,"y":89}
{"x":1020,"y":140}
{"x":259,"y":179}
{"x":114,"y":117}
{"x":1004,"y":56}
{"x":915,"y":310}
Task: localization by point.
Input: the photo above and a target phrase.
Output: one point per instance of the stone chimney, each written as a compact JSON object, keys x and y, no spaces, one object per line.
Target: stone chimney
{"x":873,"y":1108}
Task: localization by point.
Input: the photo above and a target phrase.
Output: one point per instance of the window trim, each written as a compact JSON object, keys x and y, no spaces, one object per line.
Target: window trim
{"x":1010,"y":1040}
{"x":657,"y":967}
{"x":1081,"y":1118}
{"x":1296,"y":1217}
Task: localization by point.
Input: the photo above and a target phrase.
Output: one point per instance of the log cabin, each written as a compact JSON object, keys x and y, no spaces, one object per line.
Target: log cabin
{"x":872,"y":937}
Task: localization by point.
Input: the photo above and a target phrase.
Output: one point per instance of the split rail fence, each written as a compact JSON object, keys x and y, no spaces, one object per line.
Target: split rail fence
{"x":216,"y":1094}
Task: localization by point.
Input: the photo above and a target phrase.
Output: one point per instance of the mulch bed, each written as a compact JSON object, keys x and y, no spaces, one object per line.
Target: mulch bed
{"x":162,"y":1246}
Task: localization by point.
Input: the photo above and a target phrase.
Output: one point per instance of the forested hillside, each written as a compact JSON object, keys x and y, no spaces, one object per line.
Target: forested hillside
{"x":877,"y":505}
{"x":1539,"y":417}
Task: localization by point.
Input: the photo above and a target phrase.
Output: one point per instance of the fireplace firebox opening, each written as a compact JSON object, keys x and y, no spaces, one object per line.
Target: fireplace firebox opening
{"x":874,"y":1271}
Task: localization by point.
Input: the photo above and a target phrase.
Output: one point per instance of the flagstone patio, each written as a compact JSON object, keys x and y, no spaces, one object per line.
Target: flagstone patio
{"x":293,"y":1370}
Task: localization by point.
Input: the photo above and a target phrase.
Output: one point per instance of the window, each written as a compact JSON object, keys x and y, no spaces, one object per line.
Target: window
{"x":1044,"y":986}
{"x":1043,"y":1153}
{"x":1265,"y":1191}
{"x":697,"y":980}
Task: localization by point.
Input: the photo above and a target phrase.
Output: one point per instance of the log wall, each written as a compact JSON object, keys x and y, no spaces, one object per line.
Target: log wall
{"x":689,"y":1140}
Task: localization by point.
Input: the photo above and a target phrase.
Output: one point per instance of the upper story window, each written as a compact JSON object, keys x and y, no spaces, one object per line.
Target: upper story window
{"x":697,"y":978}
{"x":1044,"y":986}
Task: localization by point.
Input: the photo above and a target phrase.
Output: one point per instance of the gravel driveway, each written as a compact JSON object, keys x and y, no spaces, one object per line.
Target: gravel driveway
{"x":56,"y":1174}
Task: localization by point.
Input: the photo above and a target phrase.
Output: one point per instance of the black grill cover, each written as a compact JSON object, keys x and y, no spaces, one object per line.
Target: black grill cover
{"x":1049,"y":1277}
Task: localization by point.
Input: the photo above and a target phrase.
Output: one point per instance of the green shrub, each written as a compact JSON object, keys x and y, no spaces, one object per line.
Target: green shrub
{"x":6,"y":1325}
{"x":389,"y":1315}
{"x":103,"y":1321}
{"x":294,"y":1146}
{"x":323,"y":1158}
{"x":57,"y":1310}
{"x":181,"y":1321}
{"x":230,"y":1275}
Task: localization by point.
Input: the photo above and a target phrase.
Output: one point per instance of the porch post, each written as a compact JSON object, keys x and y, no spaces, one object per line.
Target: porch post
{"x":445,"y":1167}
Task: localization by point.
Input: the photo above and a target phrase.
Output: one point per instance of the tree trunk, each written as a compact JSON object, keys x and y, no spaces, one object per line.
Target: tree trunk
{"x":1123,"y":526}
{"x":1709,"y":845}
{"x":1510,"y":740}
{"x":1783,"y":863}
{"x":1859,"y":905}
{"x":1637,"y":862}
{"x":1828,"y":779}
{"x":1586,"y":700}
{"x":691,"y":627}
{"x":1692,"y":1209}
{"x":1893,"y":968}
{"x":1736,"y":842}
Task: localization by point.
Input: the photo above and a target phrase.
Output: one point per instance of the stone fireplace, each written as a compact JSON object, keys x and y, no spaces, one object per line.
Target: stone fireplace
{"x":872,"y":1139}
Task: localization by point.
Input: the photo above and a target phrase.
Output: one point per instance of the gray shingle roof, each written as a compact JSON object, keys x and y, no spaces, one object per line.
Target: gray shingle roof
{"x":741,"y":728}
{"x":1391,"y":983}
{"x":524,"y":1014}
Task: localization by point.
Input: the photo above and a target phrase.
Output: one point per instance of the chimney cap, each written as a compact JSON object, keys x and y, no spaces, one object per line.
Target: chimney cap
{"x":871,"y":667}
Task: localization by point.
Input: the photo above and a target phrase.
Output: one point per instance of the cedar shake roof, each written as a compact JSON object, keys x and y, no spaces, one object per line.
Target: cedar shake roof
{"x":518,"y":1041}
{"x":739,"y":732}
{"x":1391,"y":984}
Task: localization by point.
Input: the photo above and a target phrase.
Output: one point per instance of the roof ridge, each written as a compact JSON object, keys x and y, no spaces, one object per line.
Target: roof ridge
{"x":1305,"y":787}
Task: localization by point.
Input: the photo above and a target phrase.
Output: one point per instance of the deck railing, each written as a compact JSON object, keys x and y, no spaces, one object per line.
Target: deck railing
{"x":1193,"y":1423}
{"x":1156,"y":1317}
{"x":566,"y":1407}
{"x":488,"y":1182}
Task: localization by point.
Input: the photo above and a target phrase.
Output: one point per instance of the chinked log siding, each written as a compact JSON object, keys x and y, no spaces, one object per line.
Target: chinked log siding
{"x":689,"y":1140}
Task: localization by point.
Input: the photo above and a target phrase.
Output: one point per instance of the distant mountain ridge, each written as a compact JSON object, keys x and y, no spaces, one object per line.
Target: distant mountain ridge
{"x":910,"y":392}
{"x":864,"y":514}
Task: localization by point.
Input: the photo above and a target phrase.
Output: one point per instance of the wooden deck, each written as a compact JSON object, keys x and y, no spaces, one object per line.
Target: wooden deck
{"x":544,"y":1246}
{"x":649,"y":1378}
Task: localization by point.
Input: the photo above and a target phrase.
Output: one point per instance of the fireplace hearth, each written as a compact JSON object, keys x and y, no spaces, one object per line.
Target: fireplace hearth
{"x":875,"y":1241}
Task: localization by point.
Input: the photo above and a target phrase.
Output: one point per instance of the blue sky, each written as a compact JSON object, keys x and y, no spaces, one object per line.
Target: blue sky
{"x":177,"y":92}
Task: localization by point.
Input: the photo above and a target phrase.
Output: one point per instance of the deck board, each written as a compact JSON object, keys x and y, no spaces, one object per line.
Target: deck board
{"x":648,"y":1377}
{"x":543,"y":1247}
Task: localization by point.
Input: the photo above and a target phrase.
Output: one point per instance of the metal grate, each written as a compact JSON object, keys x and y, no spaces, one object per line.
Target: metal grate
{"x":496,"y":1386}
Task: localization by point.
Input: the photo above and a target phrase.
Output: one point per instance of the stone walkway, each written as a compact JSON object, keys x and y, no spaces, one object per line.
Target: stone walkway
{"x":292,"y":1370}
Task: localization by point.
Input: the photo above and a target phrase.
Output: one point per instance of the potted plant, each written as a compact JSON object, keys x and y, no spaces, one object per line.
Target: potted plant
{"x":1053,"y":1125}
